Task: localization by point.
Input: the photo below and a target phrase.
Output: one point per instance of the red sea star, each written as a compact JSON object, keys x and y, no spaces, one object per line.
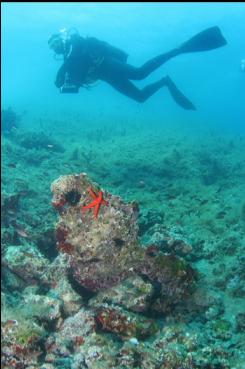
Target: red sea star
{"x":98,"y":201}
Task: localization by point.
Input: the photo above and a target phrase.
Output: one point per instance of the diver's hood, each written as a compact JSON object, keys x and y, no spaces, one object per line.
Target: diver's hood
{"x":62,"y":37}
{"x":60,"y":42}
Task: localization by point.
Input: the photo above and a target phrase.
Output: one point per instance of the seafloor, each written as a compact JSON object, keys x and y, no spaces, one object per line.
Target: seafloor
{"x":189,"y":186}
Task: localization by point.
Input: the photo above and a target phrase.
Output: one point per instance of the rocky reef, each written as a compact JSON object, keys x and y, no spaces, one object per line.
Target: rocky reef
{"x":107,"y":300}
{"x":9,"y":120}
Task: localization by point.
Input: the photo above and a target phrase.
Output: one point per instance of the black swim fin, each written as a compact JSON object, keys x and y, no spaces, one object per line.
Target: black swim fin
{"x":178,"y":97}
{"x":208,"y":39}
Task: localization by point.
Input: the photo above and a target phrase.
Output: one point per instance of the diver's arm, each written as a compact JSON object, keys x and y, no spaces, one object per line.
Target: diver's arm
{"x":76,"y":65}
{"x":60,"y":77}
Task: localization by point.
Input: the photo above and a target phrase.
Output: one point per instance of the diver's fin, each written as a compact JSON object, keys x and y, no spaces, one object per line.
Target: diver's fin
{"x":208,"y":39}
{"x":178,"y":97}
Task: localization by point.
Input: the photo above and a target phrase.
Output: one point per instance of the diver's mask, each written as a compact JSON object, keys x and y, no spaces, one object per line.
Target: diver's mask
{"x":60,"y":42}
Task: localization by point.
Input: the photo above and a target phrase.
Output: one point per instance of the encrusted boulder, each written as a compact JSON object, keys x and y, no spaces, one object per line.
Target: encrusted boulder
{"x":21,"y":343}
{"x":99,"y":234}
{"x":70,"y":336}
{"x":46,"y":309}
{"x":71,"y":300}
{"x":26,"y":263}
{"x":76,"y":345}
{"x":102,"y":250}
{"x":132,"y":294}
{"x":57,"y":279}
{"x":124,"y":324}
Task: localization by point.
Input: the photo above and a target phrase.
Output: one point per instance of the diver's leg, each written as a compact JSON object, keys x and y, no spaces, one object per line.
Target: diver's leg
{"x":137,"y":73}
{"x":111,"y":67}
{"x":208,"y":39}
{"x":129,"y":89}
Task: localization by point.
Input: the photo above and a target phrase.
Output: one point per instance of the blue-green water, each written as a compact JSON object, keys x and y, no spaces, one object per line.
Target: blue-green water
{"x":184,"y":168}
{"x":213,"y":80}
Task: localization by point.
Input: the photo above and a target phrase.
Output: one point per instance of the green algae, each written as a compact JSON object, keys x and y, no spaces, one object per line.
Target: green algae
{"x":145,"y":330}
{"x":28,"y":333}
{"x":175,"y":265}
{"x":222,"y":329}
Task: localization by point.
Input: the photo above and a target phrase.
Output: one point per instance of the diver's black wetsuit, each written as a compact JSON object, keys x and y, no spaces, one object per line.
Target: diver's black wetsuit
{"x":119,"y":74}
{"x":89,"y":59}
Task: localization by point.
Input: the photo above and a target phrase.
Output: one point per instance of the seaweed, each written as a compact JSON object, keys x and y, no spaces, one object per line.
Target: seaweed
{"x":9,"y":120}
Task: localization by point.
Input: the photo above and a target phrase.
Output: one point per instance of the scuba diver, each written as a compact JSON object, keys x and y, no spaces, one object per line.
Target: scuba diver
{"x":87,"y":60}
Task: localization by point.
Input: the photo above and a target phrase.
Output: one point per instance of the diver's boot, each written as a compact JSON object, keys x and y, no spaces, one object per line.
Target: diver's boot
{"x":178,"y":97}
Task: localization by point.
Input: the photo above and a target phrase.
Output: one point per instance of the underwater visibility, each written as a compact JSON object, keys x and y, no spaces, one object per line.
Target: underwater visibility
{"x":123,"y":185}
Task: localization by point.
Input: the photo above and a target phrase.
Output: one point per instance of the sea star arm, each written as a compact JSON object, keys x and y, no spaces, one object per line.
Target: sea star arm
{"x":91,"y":205}
{"x":96,"y":211}
{"x":92,"y":193}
